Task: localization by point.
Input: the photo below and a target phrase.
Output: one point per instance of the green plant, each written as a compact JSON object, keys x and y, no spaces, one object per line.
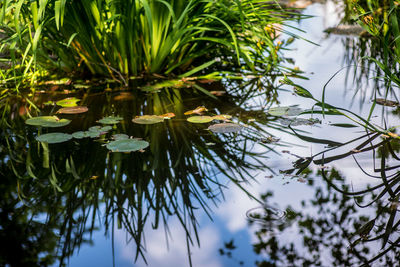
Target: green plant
{"x":134,"y":37}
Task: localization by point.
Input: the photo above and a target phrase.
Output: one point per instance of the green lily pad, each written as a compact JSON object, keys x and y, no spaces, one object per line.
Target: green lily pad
{"x":110,"y":120}
{"x":80,"y":134}
{"x":165,"y":84}
{"x":127,"y":145}
{"x":47,"y":121}
{"x":148,"y":119}
{"x":285,"y":111}
{"x":73,"y":110}
{"x":200,"y":119}
{"x":68,"y":102}
{"x":225,"y":128}
{"x":120,"y":136}
{"x":53,"y":138}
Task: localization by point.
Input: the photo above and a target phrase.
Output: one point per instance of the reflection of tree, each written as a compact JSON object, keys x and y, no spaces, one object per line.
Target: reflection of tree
{"x":68,"y":186}
{"x":337,"y":226}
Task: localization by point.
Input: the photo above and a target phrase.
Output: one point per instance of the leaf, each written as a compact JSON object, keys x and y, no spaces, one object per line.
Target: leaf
{"x":222,"y":117}
{"x":168,"y":115}
{"x":68,"y":102}
{"x":165,"y":84}
{"x":344,"y":125}
{"x":200,"y":119}
{"x":225,"y":128}
{"x":53,"y":138}
{"x":385,"y":102}
{"x":198,"y":110}
{"x":110,"y":120}
{"x":73,"y":110}
{"x":148,"y":119}
{"x":80,"y":134}
{"x":120,"y":136}
{"x":302,"y":92}
{"x":285,"y":111}
{"x":47,"y":121}
{"x":298,"y":121}
{"x":127,"y":145}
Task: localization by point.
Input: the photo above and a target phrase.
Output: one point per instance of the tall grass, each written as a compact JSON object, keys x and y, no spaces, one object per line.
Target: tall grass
{"x":134,"y":37}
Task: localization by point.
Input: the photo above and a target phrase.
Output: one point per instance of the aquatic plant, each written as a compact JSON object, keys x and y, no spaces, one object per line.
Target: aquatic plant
{"x":119,"y":39}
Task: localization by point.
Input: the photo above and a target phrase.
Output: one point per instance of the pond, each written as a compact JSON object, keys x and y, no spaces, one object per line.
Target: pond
{"x":172,"y":176}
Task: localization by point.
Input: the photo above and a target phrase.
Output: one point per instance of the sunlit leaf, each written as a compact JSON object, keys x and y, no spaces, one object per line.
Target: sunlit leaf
{"x":200,"y":119}
{"x":198,"y":110}
{"x":225,"y":128}
{"x":298,"y":121}
{"x":123,"y":96}
{"x":127,"y":145}
{"x":73,"y":110}
{"x":222,"y":117}
{"x":385,"y":102}
{"x":285,"y":111}
{"x":168,"y":115}
{"x":148,"y":119}
{"x":53,"y":138}
{"x":47,"y":121}
{"x":68,"y":102}
{"x":110,"y":120}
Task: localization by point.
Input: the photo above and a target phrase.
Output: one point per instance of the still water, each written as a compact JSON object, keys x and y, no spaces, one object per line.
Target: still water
{"x":269,"y":193}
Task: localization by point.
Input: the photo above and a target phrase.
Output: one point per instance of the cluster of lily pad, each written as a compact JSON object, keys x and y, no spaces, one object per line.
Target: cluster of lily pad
{"x":120,"y":142}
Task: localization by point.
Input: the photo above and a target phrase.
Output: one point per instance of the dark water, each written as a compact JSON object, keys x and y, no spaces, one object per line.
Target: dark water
{"x":273,"y":194}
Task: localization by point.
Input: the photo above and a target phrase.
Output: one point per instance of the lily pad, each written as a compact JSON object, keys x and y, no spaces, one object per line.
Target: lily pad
{"x":73,"y":110}
{"x":127,"y":145}
{"x":385,"y":102}
{"x":148,"y":119}
{"x":200,"y":119}
{"x":120,"y":136}
{"x":298,"y":121}
{"x":53,"y":138}
{"x":68,"y":102}
{"x":47,"y":121}
{"x":222,"y":117}
{"x":80,"y":134}
{"x":110,"y":120}
{"x":285,"y":111}
{"x":198,"y":110}
{"x":225,"y":128}
{"x":165,"y":84}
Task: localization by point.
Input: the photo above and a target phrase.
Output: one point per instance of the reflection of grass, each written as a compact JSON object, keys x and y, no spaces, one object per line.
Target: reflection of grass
{"x":184,"y":169}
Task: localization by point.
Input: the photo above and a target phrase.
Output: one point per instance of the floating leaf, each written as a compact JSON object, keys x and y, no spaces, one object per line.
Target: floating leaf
{"x":222,"y":117}
{"x":73,"y":110}
{"x":168,"y":115}
{"x":344,"y":125}
{"x":110,"y":120}
{"x":225,"y":128}
{"x":120,"y":136}
{"x":269,"y":139}
{"x":298,"y":121}
{"x":53,"y":138}
{"x":148,"y":119}
{"x":47,"y":121}
{"x":123,"y":96}
{"x":200,"y":119}
{"x":218,"y":93}
{"x":80,"y":134}
{"x":385,"y":102}
{"x":68,"y":102}
{"x":285,"y":111}
{"x":198,"y":110}
{"x":127,"y":145}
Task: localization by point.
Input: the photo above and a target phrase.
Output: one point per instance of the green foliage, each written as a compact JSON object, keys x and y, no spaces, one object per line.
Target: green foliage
{"x":122,"y":38}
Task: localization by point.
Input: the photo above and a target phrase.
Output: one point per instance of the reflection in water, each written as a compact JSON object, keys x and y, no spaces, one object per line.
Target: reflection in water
{"x":62,"y":193}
